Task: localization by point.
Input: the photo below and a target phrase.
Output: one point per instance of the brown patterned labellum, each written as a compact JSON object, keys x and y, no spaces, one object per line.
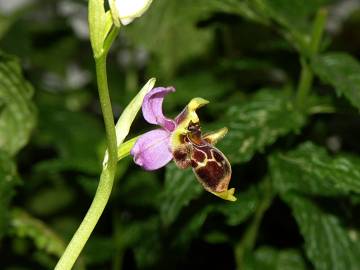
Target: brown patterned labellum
{"x":211,"y":167}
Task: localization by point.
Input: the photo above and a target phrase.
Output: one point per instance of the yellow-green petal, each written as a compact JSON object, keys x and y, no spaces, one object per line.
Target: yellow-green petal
{"x":226,"y":195}
{"x":214,"y":137}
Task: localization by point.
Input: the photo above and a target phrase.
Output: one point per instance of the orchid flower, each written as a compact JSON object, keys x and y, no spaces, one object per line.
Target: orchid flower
{"x":181,"y":140}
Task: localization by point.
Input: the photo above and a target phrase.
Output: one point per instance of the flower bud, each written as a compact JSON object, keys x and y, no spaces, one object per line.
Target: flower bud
{"x":128,"y":10}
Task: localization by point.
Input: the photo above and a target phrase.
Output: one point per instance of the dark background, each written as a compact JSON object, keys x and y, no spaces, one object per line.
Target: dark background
{"x":296,"y":168}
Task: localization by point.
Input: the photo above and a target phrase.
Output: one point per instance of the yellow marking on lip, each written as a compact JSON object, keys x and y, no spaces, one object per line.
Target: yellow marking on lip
{"x":191,"y":116}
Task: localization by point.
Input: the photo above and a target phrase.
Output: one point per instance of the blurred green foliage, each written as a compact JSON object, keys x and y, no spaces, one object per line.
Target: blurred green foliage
{"x":295,"y":161}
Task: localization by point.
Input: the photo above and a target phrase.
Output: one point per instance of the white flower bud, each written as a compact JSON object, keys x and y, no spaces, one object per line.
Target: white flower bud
{"x":128,"y":10}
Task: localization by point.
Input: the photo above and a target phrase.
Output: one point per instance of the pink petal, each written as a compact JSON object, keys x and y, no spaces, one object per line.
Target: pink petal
{"x":152,"y":108}
{"x":151,"y":150}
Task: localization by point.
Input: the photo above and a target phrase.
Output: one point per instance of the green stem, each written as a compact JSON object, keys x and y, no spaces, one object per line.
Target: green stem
{"x":248,"y":241}
{"x":106,"y":110}
{"x":305,"y":83}
{"x":317,"y":31}
{"x":110,"y":39}
{"x":103,"y":191}
{"x":307,"y":75}
{"x":86,"y":227}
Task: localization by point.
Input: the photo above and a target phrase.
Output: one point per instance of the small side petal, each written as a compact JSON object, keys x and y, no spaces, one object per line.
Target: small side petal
{"x":151,"y":150}
{"x":152,"y":108}
{"x":214,"y":137}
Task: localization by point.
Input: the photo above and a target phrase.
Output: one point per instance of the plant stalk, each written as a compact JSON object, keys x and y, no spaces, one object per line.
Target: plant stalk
{"x":103,"y":191}
{"x":307,"y":75}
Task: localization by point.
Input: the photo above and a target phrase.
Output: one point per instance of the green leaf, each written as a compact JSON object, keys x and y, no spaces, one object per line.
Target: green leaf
{"x":197,"y":84}
{"x":78,"y":150}
{"x":17,"y":114}
{"x":140,"y":188}
{"x":167,"y":28}
{"x":341,"y":71}
{"x":179,"y":189}
{"x":310,"y":169}
{"x":8,"y":180}
{"x":24,"y":225}
{"x":267,"y":258}
{"x":257,"y":123}
{"x":234,"y":214}
{"x":294,"y":16}
{"x":327,"y":241}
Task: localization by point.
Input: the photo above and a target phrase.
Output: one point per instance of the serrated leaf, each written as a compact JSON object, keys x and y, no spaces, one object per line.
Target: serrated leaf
{"x":341,"y":71}
{"x":17,"y":115}
{"x":327,"y":241}
{"x":179,"y":189}
{"x":267,"y":258}
{"x":294,"y":16}
{"x":24,"y":225}
{"x":257,"y":123}
{"x":310,"y":169}
{"x":8,"y":180}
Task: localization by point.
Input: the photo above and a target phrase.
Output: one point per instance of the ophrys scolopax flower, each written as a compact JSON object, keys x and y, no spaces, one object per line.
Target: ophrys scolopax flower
{"x":181,"y":139}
